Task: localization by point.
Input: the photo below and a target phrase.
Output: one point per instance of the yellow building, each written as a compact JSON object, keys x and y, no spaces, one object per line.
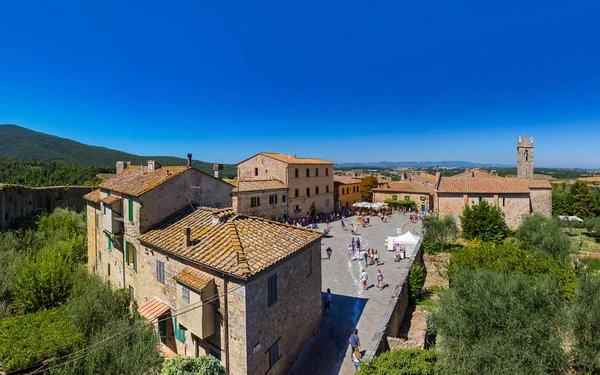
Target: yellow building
{"x":347,"y":191}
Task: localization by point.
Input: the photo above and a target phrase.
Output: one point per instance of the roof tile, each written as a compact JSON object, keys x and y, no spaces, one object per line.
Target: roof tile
{"x":406,"y":187}
{"x":134,"y":181}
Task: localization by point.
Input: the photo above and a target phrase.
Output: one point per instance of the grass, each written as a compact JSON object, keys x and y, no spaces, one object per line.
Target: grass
{"x":583,"y":241}
{"x":593,"y":264}
{"x":428,"y":299}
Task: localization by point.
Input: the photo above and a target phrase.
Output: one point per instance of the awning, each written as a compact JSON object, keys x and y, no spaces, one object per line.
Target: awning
{"x":153,"y":309}
{"x":111,"y":199}
{"x":194,"y":278}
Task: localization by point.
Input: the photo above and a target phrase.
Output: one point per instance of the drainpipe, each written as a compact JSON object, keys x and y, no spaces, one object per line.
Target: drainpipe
{"x":226,"y":324}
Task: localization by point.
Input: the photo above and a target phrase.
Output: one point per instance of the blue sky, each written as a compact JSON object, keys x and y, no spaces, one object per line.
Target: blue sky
{"x":345,"y":81}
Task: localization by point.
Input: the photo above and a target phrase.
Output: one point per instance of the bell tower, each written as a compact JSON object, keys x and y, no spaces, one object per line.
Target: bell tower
{"x":525,"y":158}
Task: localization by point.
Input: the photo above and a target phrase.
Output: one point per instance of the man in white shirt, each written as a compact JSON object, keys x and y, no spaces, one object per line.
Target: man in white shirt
{"x":364,"y":278}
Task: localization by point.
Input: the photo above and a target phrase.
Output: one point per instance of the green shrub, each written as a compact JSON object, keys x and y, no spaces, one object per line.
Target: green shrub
{"x":439,"y":231}
{"x":8,"y":258}
{"x":483,"y":222}
{"x":416,"y":280}
{"x":494,"y":322}
{"x":204,"y":365}
{"x":400,"y":362}
{"x":544,"y":235}
{"x":27,"y":339}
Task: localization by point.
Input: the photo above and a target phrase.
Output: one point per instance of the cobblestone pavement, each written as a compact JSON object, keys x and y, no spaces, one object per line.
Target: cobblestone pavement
{"x":352,"y":307}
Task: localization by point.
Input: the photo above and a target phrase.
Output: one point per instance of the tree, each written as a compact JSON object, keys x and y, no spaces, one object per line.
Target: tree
{"x":499,"y":323}
{"x":561,"y":200}
{"x":585,"y":326}
{"x":592,"y":225}
{"x":509,"y":257}
{"x":204,"y":365}
{"x":400,"y":362}
{"x":484,"y":222}
{"x":440,"y":231}
{"x":366,"y":188}
{"x":545,"y":235}
{"x":582,"y":198}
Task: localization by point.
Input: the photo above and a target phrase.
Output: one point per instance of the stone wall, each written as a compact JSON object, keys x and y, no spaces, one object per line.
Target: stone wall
{"x":19,"y":201}
{"x":380,"y":196}
{"x":390,"y":323}
{"x":241,"y":203}
{"x":541,"y":201}
{"x":264,"y":167}
{"x":292,"y":320}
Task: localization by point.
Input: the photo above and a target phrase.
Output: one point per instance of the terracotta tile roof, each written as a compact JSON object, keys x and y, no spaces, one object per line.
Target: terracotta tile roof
{"x":153,"y":309}
{"x":234,"y":244}
{"x":484,"y":185}
{"x":110,"y":199}
{"x":346,"y":180}
{"x":132,"y":182}
{"x":254,"y":185}
{"x":475,"y":172}
{"x":194,"y":278}
{"x":294,"y":160}
{"x":406,"y":187}
{"x":93,"y":196}
{"x":426,"y":176}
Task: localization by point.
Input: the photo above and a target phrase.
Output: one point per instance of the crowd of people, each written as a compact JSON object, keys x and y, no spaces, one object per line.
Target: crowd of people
{"x":315,"y":219}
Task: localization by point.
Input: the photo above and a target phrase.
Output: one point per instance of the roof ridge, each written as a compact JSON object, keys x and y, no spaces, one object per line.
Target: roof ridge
{"x":236,"y":244}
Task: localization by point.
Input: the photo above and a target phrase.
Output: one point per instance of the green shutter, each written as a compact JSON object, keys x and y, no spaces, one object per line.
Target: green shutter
{"x":179,"y":333}
{"x":104,"y":205}
{"x":109,"y":243}
{"x":126,"y":252}
{"x":131,"y":210}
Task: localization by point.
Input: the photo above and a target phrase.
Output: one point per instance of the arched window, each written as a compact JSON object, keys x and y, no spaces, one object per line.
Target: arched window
{"x":526,"y":155}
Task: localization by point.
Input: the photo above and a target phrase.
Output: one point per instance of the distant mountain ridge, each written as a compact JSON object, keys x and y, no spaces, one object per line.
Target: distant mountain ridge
{"x":22,"y":143}
{"x":419,"y":164}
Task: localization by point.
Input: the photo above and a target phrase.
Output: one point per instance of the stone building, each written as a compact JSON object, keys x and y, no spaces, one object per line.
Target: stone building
{"x":421,"y":194}
{"x":517,"y":197}
{"x":346,"y":191}
{"x":212,"y":281}
{"x":309,"y":181}
{"x":263,"y":198}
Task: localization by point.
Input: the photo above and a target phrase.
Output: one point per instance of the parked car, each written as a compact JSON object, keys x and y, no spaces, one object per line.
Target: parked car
{"x":324,"y":229}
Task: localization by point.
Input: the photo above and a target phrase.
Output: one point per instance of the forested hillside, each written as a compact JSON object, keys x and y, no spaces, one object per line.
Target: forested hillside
{"x":42,"y":173}
{"x":21,"y":143}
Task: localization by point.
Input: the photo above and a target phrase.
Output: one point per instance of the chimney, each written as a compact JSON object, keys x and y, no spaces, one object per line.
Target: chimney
{"x":215,"y":219}
{"x":189,"y":159}
{"x":153,"y":165}
{"x":218,"y":169}
{"x":120,"y":167}
{"x":127,"y":165}
{"x":186,"y":237}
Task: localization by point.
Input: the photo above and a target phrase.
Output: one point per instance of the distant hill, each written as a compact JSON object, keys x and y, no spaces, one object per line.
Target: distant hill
{"x":21,"y":143}
{"x":418,"y":164}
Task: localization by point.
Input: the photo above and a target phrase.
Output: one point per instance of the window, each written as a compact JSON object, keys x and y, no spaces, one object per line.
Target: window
{"x":326,"y":171}
{"x":254,"y":202}
{"x":316,"y":190}
{"x":108,"y":269}
{"x":179,"y":333}
{"x":185,"y":294}
{"x":327,"y":188}
{"x":297,"y":208}
{"x":503,"y":202}
{"x":296,"y":172}
{"x":131,"y":294}
{"x":272,"y":289}
{"x":308,"y":192}
{"x":407,"y":197}
{"x":130,"y":254}
{"x":284,"y":198}
{"x":256,"y":171}
{"x":317,"y":172}
{"x":307,"y":172}
{"x":297,"y":193}
{"x":395,"y":197}
{"x":273,"y":199}
{"x":109,"y":242}
{"x":273,"y":354}
{"x":131,"y":210}
{"x":160,"y":271}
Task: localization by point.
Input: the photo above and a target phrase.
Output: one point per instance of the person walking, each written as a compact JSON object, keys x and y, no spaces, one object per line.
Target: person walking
{"x":376,"y":257}
{"x":365,"y":255}
{"x":379,"y":279}
{"x":354,"y":341}
{"x":343,"y":225}
{"x":350,"y":252}
{"x":329,"y":251}
{"x":356,"y":358}
{"x":364,"y":278}
{"x":328,"y":298}
{"x":358,"y":243}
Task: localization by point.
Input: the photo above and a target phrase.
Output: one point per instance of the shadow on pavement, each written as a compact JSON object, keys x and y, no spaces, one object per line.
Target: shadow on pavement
{"x":326,"y":352}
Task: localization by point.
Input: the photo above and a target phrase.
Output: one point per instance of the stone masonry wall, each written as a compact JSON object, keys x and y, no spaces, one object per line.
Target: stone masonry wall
{"x":541,"y":201}
{"x":19,"y":201}
{"x":241,"y":202}
{"x":292,"y":320}
{"x":267,"y":168}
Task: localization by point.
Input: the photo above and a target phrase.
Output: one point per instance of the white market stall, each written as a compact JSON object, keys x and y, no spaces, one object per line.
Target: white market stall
{"x":408,"y":240}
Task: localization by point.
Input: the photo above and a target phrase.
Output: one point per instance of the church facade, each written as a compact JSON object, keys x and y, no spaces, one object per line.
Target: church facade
{"x":517,"y":197}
